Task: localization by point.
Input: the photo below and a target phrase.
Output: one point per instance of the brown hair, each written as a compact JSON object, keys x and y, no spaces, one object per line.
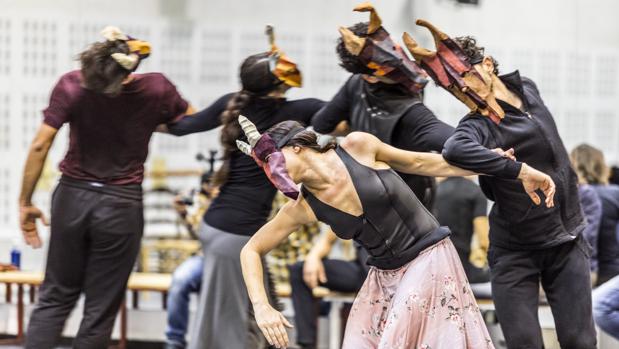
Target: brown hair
{"x":102,"y":73}
{"x":475,"y":52}
{"x":589,"y":164}
{"x":304,"y":139}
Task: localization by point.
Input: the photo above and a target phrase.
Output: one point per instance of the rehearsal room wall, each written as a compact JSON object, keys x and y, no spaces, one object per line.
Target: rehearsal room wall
{"x":569,"y":47}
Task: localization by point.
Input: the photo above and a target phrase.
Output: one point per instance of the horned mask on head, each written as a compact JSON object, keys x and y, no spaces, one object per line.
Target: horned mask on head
{"x":267,"y":153}
{"x":138,"y":49}
{"x":451,"y":69}
{"x":382,"y":55}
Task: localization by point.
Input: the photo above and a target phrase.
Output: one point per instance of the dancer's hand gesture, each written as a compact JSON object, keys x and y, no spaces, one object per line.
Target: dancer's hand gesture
{"x":534,"y":180}
{"x":28,"y":215}
{"x":273,"y":325}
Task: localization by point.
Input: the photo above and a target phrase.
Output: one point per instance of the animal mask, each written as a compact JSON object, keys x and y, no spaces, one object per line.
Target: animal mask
{"x":382,"y":55}
{"x":451,"y":69}
{"x":138,"y":49}
{"x":268,"y":155}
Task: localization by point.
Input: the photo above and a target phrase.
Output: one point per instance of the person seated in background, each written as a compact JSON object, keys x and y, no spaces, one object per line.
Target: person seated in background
{"x":614,"y":175}
{"x":462,"y":206}
{"x":187,"y":277}
{"x":590,"y":163}
{"x":590,"y":202}
{"x":319,"y":270}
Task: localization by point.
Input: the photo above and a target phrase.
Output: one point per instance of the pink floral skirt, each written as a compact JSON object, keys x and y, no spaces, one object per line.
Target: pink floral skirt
{"x":426,"y":304}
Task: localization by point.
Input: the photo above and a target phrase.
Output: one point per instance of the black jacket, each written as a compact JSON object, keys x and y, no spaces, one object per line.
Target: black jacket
{"x":515,"y":221}
{"x":392,"y":115}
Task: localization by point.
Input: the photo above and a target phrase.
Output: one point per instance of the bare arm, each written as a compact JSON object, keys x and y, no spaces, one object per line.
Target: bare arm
{"x":481,"y":227}
{"x":28,"y":213}
{"x":313,"y":268}
{"x":425,"y":164}
{"x":289,"y":218}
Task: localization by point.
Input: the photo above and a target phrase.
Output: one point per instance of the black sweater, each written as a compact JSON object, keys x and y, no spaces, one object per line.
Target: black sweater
{"x":244,"y":201}
{"x":515,"y":221}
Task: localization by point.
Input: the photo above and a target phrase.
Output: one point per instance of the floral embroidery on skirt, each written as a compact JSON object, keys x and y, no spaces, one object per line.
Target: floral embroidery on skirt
{"x":426,"y":304}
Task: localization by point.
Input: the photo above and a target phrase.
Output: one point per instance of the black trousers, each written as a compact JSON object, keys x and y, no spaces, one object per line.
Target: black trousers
{"x":564,"y":275}
{"x":95,"y":239}
{"x":342,"y":276}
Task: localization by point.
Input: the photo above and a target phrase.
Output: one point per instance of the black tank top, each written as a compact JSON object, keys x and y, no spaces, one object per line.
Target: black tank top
{"x":394,"y":227}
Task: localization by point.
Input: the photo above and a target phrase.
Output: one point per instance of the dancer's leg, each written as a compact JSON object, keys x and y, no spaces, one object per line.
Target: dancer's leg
{"x":114,"y":243}
{"x":64,"y":272}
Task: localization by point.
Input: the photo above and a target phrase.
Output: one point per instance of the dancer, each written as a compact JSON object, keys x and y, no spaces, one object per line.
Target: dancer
{"x":529,"y":243}
{"x":416,"y":293}
{"x":245,"y":193}
{"x":384,"y":97}
{"x":97,"y":217}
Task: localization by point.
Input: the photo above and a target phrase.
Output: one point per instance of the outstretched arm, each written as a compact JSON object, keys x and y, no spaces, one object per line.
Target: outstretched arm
{"x":204,"y":120}
{"x":289,"y":218}
{"x":427,"y":164}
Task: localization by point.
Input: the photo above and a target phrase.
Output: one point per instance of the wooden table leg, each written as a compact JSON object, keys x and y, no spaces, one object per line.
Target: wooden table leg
{"x":122,"y":343}
{"x":9,"y":293}
{"x":33,"y":289}
{"x":135,"y":299}
{"x":20,"y":312}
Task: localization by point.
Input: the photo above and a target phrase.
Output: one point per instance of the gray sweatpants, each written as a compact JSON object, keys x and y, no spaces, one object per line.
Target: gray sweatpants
{"x":223,"y":313}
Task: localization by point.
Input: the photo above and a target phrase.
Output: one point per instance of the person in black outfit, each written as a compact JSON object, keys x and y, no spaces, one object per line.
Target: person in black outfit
{"x":245,"y":196}
{"x":389,"y":109}
{"x":317,"y":269}
{"x":529,"y":243}
{"x":462,"y":206}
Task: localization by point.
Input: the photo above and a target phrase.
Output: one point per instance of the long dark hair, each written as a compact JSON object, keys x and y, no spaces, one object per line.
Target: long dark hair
{"x":102,"y":73}
{"x":304,"y":139}
{"x":257,"y":81}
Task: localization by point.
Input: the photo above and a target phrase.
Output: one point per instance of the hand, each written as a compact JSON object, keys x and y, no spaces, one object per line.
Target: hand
{"x":273,"y":325}
{"x":28,"y":215}
{"x":179,"y":205}
{"x":314,"y":271}
{"x":506,"y":154}
{"x":533,"y":180}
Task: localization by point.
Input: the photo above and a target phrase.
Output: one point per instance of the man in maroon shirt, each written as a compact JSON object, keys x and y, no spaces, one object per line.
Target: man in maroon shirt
{"x":97,"y":206}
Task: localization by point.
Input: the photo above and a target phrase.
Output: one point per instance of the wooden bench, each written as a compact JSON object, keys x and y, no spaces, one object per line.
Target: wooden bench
{"x":138,"y":282}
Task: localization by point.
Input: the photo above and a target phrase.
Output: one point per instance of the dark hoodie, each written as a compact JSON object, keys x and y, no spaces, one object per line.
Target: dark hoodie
{"x":515,"y":221}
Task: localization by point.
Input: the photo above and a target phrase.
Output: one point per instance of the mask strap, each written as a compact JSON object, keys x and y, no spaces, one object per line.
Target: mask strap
{"x":282,"y":142}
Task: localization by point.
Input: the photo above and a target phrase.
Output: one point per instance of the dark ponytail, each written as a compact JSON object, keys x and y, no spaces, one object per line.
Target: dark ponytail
{"x":304,"y":139}
{"x":102,"y":73}
{"x":257,"y":81}
{"x":230,"y":132}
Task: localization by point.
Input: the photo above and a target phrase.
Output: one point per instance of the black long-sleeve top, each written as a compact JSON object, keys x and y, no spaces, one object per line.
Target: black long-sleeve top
{"x":414,"y":127}
{"x":515,"y":221}
{"x":244,"y":201}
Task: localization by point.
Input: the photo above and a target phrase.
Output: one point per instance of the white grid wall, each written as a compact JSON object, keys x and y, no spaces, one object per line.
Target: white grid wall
{"x":580,"y":88}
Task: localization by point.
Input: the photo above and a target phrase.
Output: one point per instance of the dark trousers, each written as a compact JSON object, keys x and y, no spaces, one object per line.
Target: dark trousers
{"x":564,"y":275}
{"x":342,"y":276}
{"x":95,"y":238}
